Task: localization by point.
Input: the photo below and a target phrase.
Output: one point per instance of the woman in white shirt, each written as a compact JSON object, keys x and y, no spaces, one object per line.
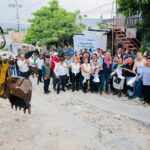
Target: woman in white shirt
{"x":86,"y":71}
{"x":75,"y":72}
{"x":23,"y":66}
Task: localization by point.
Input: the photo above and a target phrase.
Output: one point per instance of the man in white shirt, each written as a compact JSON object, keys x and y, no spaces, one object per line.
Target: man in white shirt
{"x":61,"y":75}
{"x":39,"y":64}
{"x":23,"y":66}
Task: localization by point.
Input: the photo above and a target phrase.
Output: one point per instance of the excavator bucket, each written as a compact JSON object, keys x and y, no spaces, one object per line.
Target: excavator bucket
{"x":20,"y":91}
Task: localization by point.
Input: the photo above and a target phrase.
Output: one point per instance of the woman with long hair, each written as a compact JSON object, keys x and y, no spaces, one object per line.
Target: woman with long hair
{"x":138,"y":69}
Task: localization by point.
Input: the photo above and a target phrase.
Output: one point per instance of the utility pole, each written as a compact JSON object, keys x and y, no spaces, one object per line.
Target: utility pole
{"x":17,"y":6}
{"x":17,"y":11}
{"x":112,"y":16}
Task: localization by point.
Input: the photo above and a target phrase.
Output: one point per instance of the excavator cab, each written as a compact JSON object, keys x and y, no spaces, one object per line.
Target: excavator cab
{"x":17,"y":89}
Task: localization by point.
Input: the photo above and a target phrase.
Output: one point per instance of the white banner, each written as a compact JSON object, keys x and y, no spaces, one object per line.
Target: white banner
{"x":92,"y":42}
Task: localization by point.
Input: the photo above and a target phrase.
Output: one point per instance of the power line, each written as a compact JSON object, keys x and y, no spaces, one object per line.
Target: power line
{"x":93,"y":9}
{"x":35,"y":4}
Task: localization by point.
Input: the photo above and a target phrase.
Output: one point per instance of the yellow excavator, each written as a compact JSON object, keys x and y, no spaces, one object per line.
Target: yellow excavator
{"x":17,"y":90}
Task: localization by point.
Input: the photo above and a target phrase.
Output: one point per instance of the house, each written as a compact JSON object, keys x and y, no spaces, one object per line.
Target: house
{"x":125,"y":31}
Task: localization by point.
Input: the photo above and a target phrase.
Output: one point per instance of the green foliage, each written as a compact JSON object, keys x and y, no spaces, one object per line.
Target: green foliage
{"x":138,"y":7}
{"x":52,"y":24}
{"x":102,"y":25}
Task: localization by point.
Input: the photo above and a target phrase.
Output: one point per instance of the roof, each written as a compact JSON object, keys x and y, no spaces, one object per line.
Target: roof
{"x":90,"y":22}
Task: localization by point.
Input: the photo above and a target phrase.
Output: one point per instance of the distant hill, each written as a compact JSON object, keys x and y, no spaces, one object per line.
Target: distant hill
{"x":6,"y":26}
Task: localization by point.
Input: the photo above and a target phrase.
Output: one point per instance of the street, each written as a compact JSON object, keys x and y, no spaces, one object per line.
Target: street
{"x":75,"y":121}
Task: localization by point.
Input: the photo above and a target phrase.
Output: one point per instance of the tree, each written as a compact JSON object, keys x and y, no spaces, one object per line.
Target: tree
{"x":138,"y":7}
{"x":102,"y":25}
{"x":52,"y":24}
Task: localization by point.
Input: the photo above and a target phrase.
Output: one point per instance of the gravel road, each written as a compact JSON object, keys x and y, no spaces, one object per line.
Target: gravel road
{"x":75,"y":121}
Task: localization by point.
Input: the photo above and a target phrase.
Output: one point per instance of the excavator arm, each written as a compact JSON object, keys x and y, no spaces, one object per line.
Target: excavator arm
{"x":17,"y":89}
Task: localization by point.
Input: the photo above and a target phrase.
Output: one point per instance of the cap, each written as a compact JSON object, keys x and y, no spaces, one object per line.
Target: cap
{"x":55,"y":54}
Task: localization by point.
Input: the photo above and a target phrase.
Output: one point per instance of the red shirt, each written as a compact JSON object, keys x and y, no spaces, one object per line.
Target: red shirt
{"x":53,"y":61}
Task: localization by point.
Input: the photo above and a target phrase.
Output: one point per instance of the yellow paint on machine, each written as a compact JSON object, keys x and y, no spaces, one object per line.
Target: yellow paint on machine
{"x":3,"y":74}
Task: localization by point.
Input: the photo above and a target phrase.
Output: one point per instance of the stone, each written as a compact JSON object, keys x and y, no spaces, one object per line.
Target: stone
{"x":110,"y":131}
{"x":117,"y":117}
{"x":17,"y":120}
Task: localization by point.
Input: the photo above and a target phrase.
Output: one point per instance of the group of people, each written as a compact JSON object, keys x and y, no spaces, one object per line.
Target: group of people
{"x":125,"y":73}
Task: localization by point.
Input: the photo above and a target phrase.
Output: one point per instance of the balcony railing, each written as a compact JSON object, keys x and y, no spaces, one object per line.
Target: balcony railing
{"x":129,"y":22}
{"x":122,"y":21}
{"x":132,"y":21}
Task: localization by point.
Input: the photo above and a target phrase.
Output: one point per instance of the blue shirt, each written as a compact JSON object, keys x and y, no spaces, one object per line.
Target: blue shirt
{"x":68,"y":62}
{"x":71,"y":52}
{"x":100,"y":62}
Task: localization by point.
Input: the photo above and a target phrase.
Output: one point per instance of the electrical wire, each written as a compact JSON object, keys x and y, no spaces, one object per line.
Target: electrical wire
{"x":93,"y":9}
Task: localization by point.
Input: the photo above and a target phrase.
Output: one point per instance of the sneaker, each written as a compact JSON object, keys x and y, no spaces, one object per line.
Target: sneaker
{"x":46,"y":92}
{"x":137,"y":99}
{"x":63,"y":90}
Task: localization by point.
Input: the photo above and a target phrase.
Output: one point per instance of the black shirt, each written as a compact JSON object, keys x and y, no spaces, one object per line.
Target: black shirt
{"x":127,"y":73}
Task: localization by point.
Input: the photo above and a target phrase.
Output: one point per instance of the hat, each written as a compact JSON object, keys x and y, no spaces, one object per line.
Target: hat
{"x":55,"y":54}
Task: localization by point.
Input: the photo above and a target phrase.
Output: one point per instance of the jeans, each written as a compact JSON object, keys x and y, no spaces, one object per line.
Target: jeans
{"x":61,"y":82}
{"x":18,"y":72}
{"x":39,"y":75}
{"x":13,"y":70}
{"x":46,"y":85}
{"x":138,"y":88}
{"x":105,"y":79}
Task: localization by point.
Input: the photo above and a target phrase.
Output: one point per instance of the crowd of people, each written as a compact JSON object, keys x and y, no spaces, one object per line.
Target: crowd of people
{"x":126,"y":73}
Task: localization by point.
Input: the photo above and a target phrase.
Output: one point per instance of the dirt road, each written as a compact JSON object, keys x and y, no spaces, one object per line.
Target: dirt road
{"x":75,"y":121}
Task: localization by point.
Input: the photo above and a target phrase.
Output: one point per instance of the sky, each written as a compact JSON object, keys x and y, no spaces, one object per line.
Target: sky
{"x":93,"y":8}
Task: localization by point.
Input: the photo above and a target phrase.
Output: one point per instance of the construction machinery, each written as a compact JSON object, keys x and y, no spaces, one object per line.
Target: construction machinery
{"x":17,"y":90}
